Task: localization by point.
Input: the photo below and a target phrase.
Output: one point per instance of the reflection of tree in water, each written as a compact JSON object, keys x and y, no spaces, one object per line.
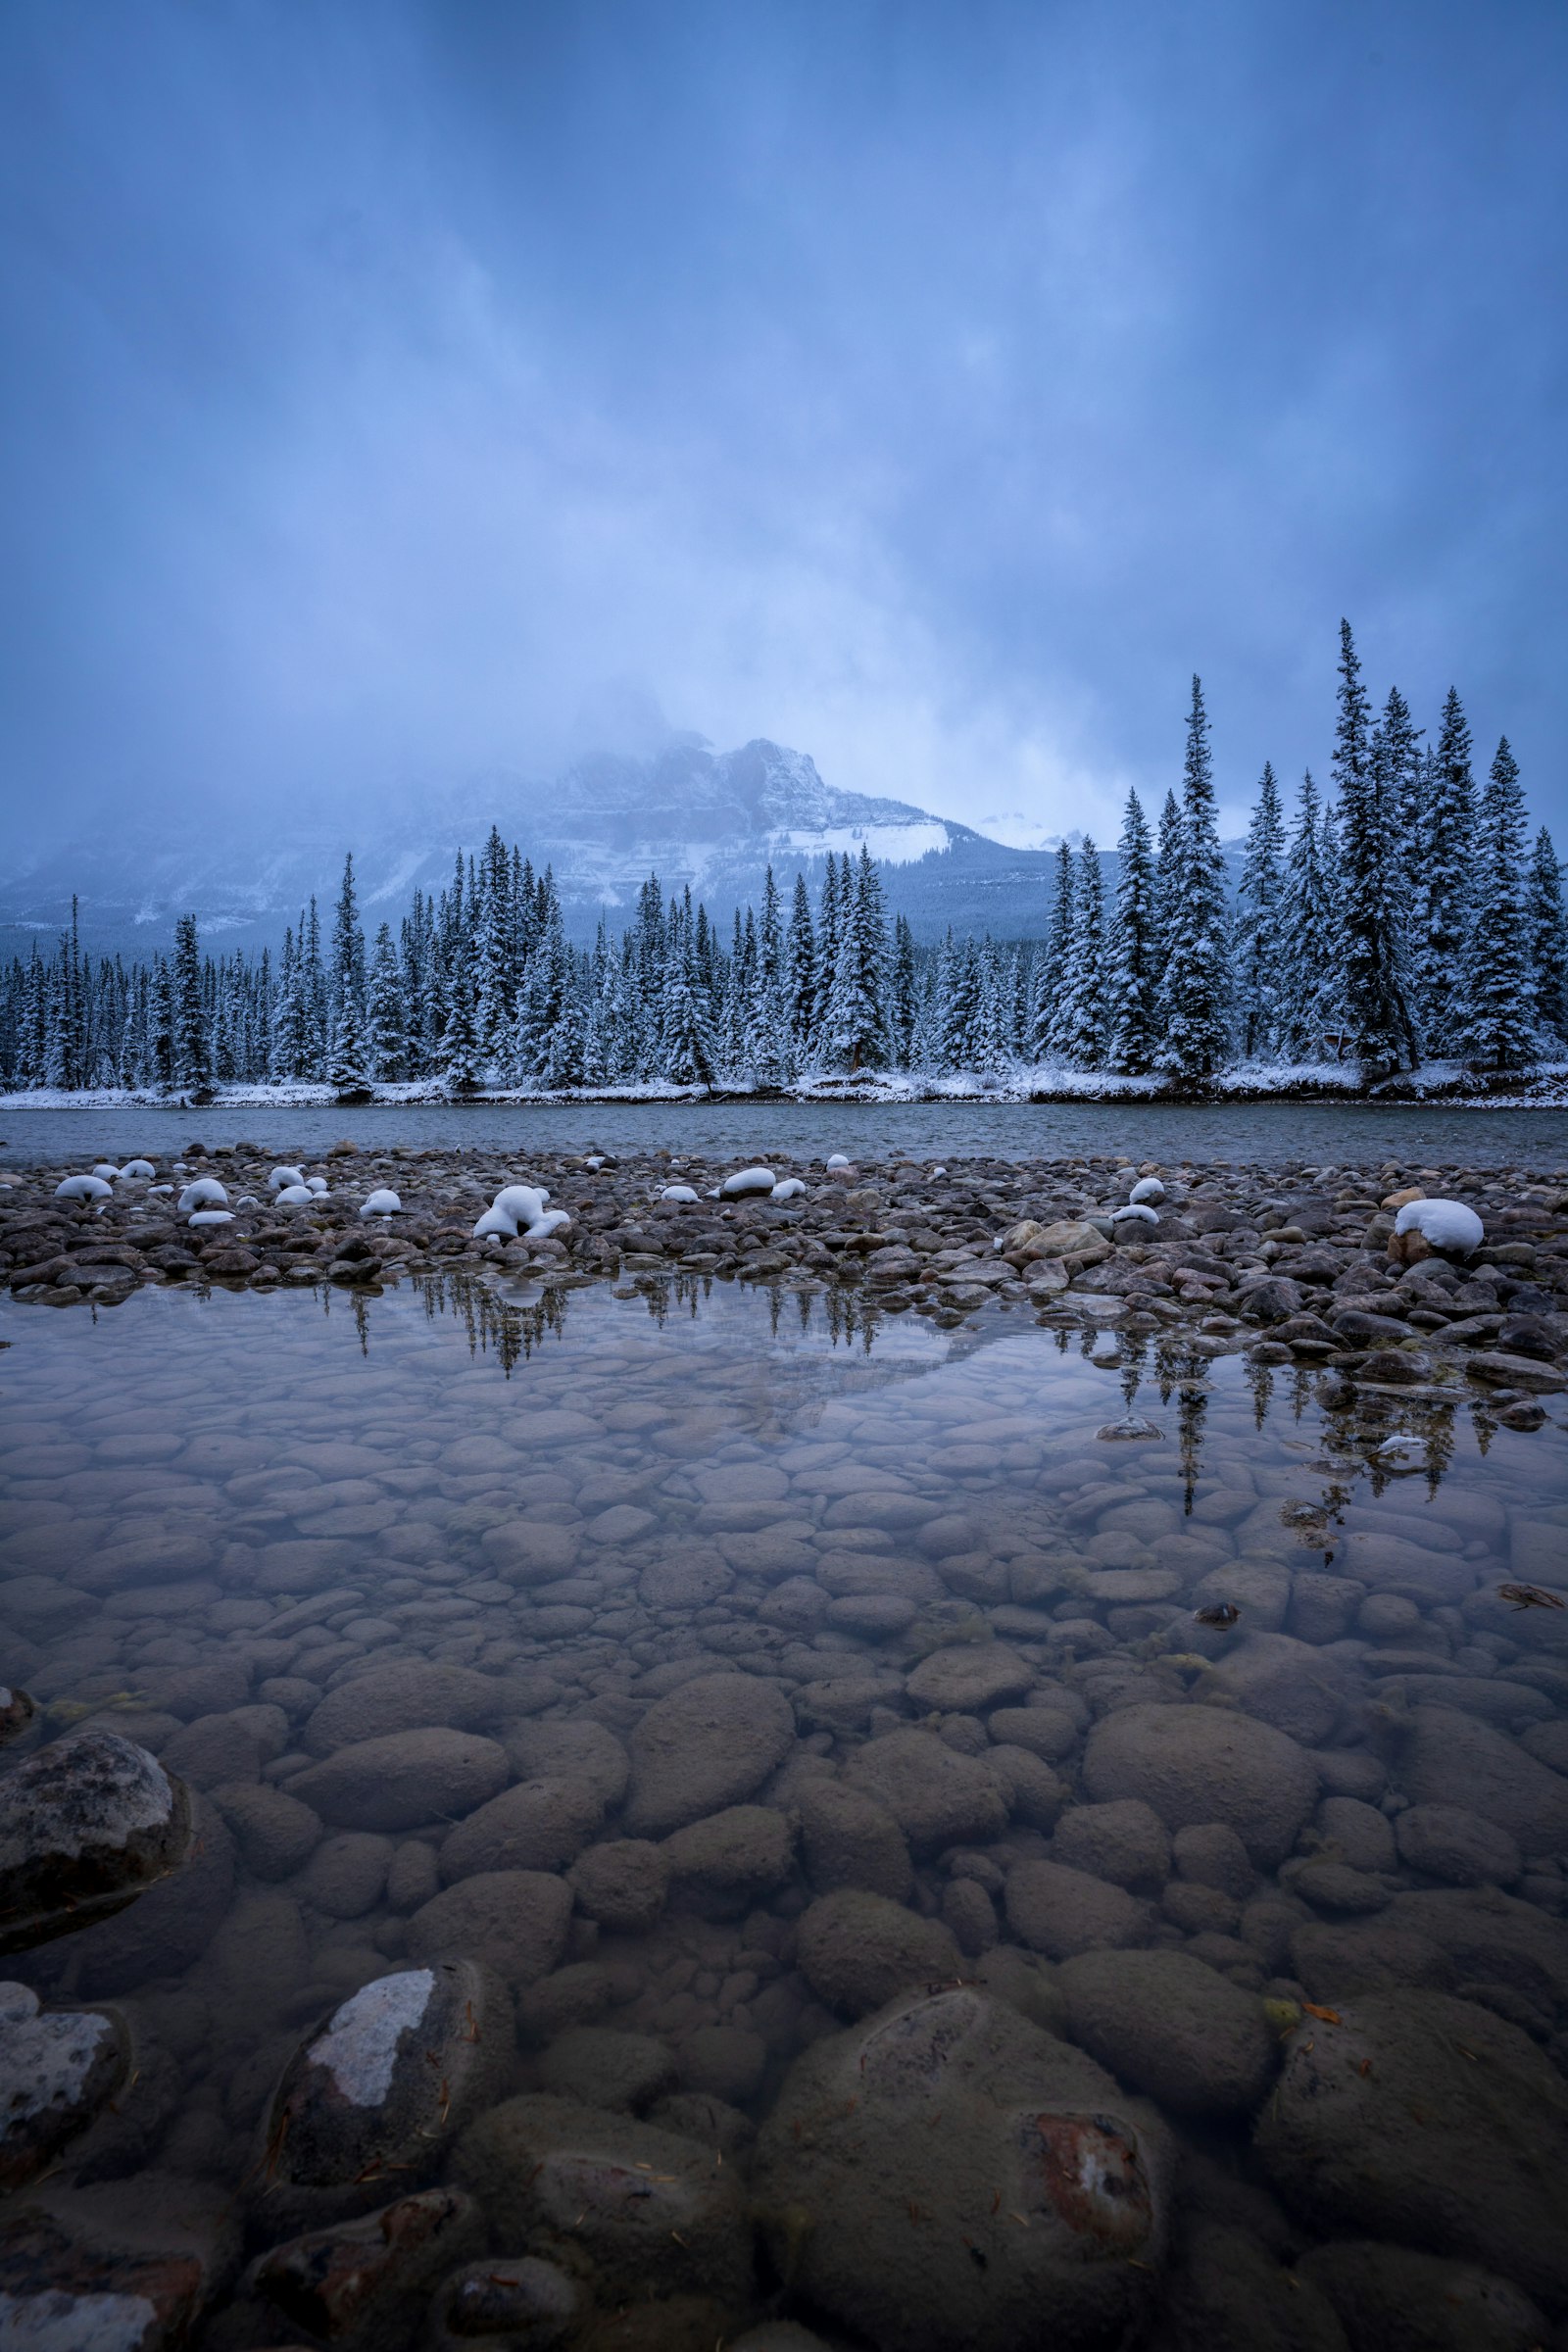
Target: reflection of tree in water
{"x":1260,"y":1380}
{"x":494,"y":1326}
{"x":1134,"y":1358}
{"x":1191,"y":1410}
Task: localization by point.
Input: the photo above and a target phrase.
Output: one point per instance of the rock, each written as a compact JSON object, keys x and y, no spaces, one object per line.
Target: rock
{"x":413,"y":1876}
{"x":379,"y":2090}
{"x":711,"y":1743}
{"x":504,"y":2301}
{"x":515,"y":1919}
{"x":1390,"y":2299}
{"x":725,"y":2063}
{"x":361,"y":2282}
{"x":1377,"y":2121}
{"x":738,"y":1853}
{"x":1201,"y":1764}
{"x":1356,"y":1832}
{"x":576,"y":1750}
{"x":274,"y":1831}
{"x":1232,"y":2295}
{"x":56,"y":2069}
{"x":630,"y":2209}
{"x":1446,"y":1841}
{"x":604,"y":2069}
{"x":1050,"y":1732}
{"x":1070,"y":1236}
{"x":1171,"y":2027}
{"x":17,"y":1711}
{"x":539,"y":1825}
{"x":1030,"y":1789}
{"x":402,"y":1780}
{"x":857,"y":1950}
{"x":406,"y":1694}
{"x":87,"y":1826}
{"x":1273,"y":1301}
{"x":167,"y":1928}
{"x":1287,"y":1684}
{"x":969,"y":1680}
{"x":126,"y":2267}
{"x":233,"y":1747}
{"x":1211,"y":1854}
{"x":1259,"y":1589}
{"x":848,"y":1840}
{"x":1449,"y":1758}
{"x":623,"y":1883}
{"x":905,"y":2232}
{"x":937,"y":1796}
{"x":347,"y":1875}
{"x":1125,"y":1841}
{"x":1060,"y":1911}
{"x":1514,"y":1371}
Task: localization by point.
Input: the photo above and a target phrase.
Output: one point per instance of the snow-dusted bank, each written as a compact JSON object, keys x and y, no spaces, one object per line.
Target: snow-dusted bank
{"x":1416,"y":1280}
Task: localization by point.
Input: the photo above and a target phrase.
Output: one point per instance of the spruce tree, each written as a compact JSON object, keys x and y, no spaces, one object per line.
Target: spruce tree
{"x":800,"y":974}
{"x":193,"y":1065}
{"x":767,"y":1026}
{"x":905,"y":992}
{"x":1500,"y":1032}
{"x":1311,"y":996}
{"x":686,"y":1035}
{"x":1167,"y":869}
{"x":1546,"y":934}
{"x":959,"y":1010}
{"x":387,"y":1018}
{"x":462,"y":1057}
{"x":1378,"y":1012}
{"x":347,"y":1054}
{"x":1194,"y":985}
{"x":1444,"y":876}
{"x":1055,"y":963}
{"x":1079,"y":1031}
{"x":856,"y":1026}
{"x":1260,"y":927}
{"x":1132,"y":981}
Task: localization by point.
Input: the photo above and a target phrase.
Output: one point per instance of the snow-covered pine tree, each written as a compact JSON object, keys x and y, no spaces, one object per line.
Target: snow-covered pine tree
{"x":1546,"y":934}
{"x":387,"y":1018}
{"x":497,"y":983}
{"x":1378,"y":1012}
{"x":959,"y":1012}
{"x":348,"y":1052}
{"x":832,"y":913}
{"x":1310,"y":995}
{"x":1168,"y":866}
{"x":161,"y":1027}
{"x":687,"y":1055}
{"x":1194,"y":985}
{"x":557,"y":1008}
{"x":801,"y":973}
{"x":1444,"y":873}
{"x":1500,"y":1031}
{"x":1078,"y":1035}
{"x":767,"y":1030}
{"x":856,"y":1026}
{"x":192,"y":1050}
{"x":312,"y":989}
{"x":905,"y":992}
{"x":989,"y":1049}
{"x":1055,"y":961}
{"x":1258,"y":932}
{"x":461,"y":1057}
{"x":1132,"y":979}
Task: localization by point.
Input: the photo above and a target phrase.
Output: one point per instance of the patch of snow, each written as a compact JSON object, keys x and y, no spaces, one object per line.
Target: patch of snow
{"x":360,"y":2047}
{"x":1147,"y":1187}
{"x":677,"y":1192}
{"x":1135,"y":1213}
{"x":523,"y":1204}
{"x":1446,"y":1224}
{"x":205,"y":1193}
{"x":83,"y":1188}
{"x":211,"y":1216}
{"x":138,"y":1169}
{"x":294,"y":1196}
{"x":281,"y":1178}
{"x":792,"y":1189}
{"x":381,"y":1203}
{"x":747,"y":1180}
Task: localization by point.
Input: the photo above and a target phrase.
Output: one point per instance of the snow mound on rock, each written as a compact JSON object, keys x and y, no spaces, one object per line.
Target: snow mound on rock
{"x":747,"y":1180}
{"x":792,"y":1189}
{"x":281,"y":1179}
{"x":83,"y":1188}
{"x":1446,"y":1224}
{"x":205,"y":1193}
{"x":382,"y":1203}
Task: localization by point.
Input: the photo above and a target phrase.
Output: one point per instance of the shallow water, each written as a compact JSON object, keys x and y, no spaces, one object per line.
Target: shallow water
{"x":1309,"y":1134}
{"x":790,"y":1486}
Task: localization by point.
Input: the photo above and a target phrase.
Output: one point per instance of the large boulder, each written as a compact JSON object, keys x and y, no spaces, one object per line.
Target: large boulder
{"x":517,"y":1921}
{"x":1061,"y":1911}
{"x":1430,"y":2122}
{"x":969,"y":1679}
{"x":1200,"y":1764}
{"x":937,"y":1796}
{"x":56,"y":2069}
{"x":946,"y":2174}
{"x":1390,"y":2299}
{"x":1446,"y":1757}
{"x":539,"y":1825}
{"x":712,"y":1742}
{"x":403,"y":1779}
{"x":406,"y":1695}
{"x":857,"y":1950}
{"x":360,"y":2282}
{"x":621,"y":1883}
{"x":87,"y":1826}
{"x":849,"y":1839}
{"x":1171,"y":2025}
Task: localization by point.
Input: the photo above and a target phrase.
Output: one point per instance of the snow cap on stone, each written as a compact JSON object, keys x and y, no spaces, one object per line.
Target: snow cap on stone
{"x":282,"y":1177}
{"x":840,"y":1159}
{"x":141,"y":1170}
{"x":107,"y":1170}
{"x":677,"y":1192}
{"x":294,"y":1196}
{"x":747,"y":1180}
{"x":382,"y":1203}
{"x":1135,"y":1214}
{"x":496,"y":1221}
{"x":205,"y":1193}
{"x":1147,"y":1187}
{"x":792,"y":1189}
{"x":211,"y":1216}
{"x":83,"y":1188}
{"x":521,"y":1202}
{"x":553,"y":1220}
{"x":1444,"y":1224}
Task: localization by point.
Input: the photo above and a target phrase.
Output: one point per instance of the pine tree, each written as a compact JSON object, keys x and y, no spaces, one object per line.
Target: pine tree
{"x":386,"y":1019}
{"x":1167,"y":883}
{"x":1132,"y":980}
{"x":905,"y":992}
{"x":1378,"y":1012}
{"x":347,"y":1053}
{"x":1193,"y":989}
{"x":766,"y":1019}
{"x":856,"y":1018}
{"x":1546,"y":933}
{"x":192,"y":1053}
{"x":801,"y":973}
{"x":1444,"y":880}
{"x":1500,"y":1032}
{"x":461,"y":1057}
{"x":1259,"y":930}
{"x":686,"y":1036}
{"x":1055,"y":963}
{"x":959,"y":1008}
{"x":1079,"y":1032}
{"x":1310,"y":995}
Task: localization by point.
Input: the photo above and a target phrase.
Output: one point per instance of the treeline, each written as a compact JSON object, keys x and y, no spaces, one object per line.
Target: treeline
{"x":1404,"y":915}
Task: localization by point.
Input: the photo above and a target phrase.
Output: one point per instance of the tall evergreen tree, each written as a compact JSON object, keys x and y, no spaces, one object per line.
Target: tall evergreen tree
{"x":1312,"y":996}
{"x":801,"y":972}
{"x":387,"y":1018}
{"x":1131,"y":979}
{"x":1079,"y":1031}
{"x":1056,"y":960}
{"x":1259,"y":930}
{"x":347,"y":1053}
{"x":192,"y":1051}
{"x":1546,"y":933}
{"x":1444,"y":880}
{"x":1194,"y":985}
{"x":1378,"y":1012}
{"x":686,"y":1039}
{"x":1500,"y":1030}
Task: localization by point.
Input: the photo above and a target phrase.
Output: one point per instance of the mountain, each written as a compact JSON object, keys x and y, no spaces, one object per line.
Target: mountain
{"x":692,"y":815}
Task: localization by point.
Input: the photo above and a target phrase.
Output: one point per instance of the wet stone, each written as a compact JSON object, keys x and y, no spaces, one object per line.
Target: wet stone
{"x":505,"y":2300}
{"x":857,"y":1950}
{"x":937,"y":1797}
{"x":514,"y":1920}
{"x":711,"y":1743}
{"x":1168,"y":2025}
{"x":85,"y":1825}
{"x":57,"y":2069}
{"x":359,"y":2281}
{"x":1198,"y":1764}
{"x":402,"y":1780}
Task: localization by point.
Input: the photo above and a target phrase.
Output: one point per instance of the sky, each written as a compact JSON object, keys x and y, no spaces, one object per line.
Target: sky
{"x":407,"y":389}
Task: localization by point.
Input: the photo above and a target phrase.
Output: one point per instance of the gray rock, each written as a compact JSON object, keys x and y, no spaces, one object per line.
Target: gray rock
{"x":971,"y":1916}
{"x":1391,"y":2299}
{"x":1060,"y":1911}
{"x":56,"y":2069}
{"x":1125,"y":1841}
{"x":740,"y":1852}
{"x":379,"y":2090}
{"x":623,"y":1883}
{"x":1356,"y":1832}
{"x":632,"y":2209}
{"x":1446,"y":1841}
{"x":1048,"y":1732}
{"x":406,"y":1694}
{"x":124,"y":2267}
{"x":1449,"y":1758}
{"x":1290,"y":1684}
{"x":514,"y":1920}
{"x":538,"y":1825}
{"x":363,"y":2281}
{"x":1200,"y":1764}
{"x":571,"y":1748}
{"x":167,"y":1928}
{"x":1377,"y":2122}
{"x":1233,"y":2294}
{"x":17,"y":1711}
{"x":857,"y":1950}
{"x":969,"y":1680}
{"x":724,"y":2063}
{"x":87,"y":1826}
{"x":402,"y":1780}
{"x":604,"y":2069}
{"x":414,"y":1876}
{"x":849,"y":1839}
{"x":1030,"y":1789}
{"x":233,"y":1746}
{"x":503,"y":2301}
{"x":713,"y":2122}
{"x":904,"y":2149}
{"x":1207,"y":1853}
{"x":346,"y":1876}
{"x":712,"y":1742}
{"x":1168,"y":2024}
{"x":274,"y":1831}
{"x":937,"y":1797}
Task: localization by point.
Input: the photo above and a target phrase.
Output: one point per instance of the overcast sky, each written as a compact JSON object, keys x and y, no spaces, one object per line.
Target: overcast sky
{"x":390,"y":388}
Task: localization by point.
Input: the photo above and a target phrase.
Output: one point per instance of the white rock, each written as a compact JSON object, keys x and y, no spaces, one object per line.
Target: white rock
{"x":205,"y":1193}
{"x":211,"y":1216}
{"x":677,"y":1192}
{"x":747,"y":1180}
{"x":360,"y":2046}
{"x":282,"y":1177}
{"x":1147,"y":1187}
{"x":381,"y":1203}
{"x":1446,"y":1224}
{"x":83,"y":1188}
{"x":792,"y":1189}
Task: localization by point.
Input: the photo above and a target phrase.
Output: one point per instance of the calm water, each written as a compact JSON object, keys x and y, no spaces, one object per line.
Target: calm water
{"x":588,"y":1491}
{"x":1314,"y":1134}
